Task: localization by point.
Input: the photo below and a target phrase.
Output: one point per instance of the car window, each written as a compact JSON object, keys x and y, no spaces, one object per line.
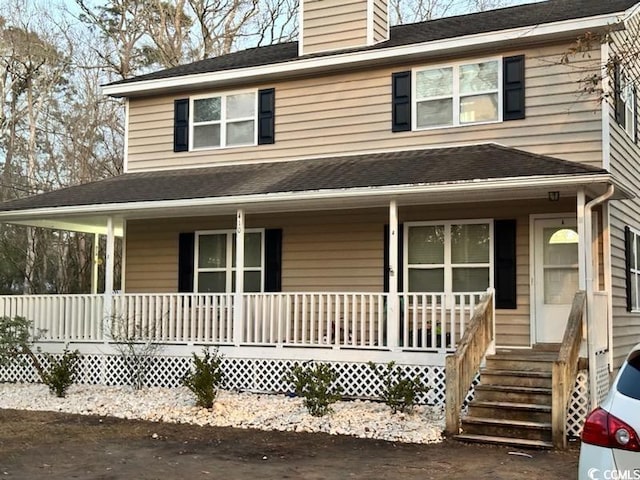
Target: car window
{"x":629,"y":381}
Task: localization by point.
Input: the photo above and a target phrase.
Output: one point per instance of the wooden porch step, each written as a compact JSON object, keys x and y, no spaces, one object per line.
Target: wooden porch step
{"x":516,"y":442}
{"x":547,"y":347}
{"x":497,"y":427}
{"x":530,"y":362}
{"x":510,"y":411}
{"x":522,"y":378}
{"x":513,"y":394}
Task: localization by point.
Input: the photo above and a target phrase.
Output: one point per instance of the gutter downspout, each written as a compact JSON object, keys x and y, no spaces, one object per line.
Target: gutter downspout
{"x":588,"y":252}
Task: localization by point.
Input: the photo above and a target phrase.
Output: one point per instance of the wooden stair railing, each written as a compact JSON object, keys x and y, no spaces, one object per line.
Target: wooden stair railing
{"x":463,"y":365}
{"x":565,"y":369}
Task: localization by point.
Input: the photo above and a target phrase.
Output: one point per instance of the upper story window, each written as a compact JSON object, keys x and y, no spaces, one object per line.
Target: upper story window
{"x":464,"y":93}
{"x":625,"y":102}
{"x":223,"y":120}
{"x":458,"y":94}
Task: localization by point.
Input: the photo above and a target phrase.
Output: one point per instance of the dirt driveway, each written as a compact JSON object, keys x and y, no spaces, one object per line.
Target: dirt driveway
{"x":43,"y":445}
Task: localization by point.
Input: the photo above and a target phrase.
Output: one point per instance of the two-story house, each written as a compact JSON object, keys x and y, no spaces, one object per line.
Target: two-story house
{"x":357,"y":195}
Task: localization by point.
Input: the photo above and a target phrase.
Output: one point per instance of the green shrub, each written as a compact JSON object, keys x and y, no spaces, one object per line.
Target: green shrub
{"x":317,"y":386}
{"x":61,"y":373}
{"x":16,"y":343}
{"x":205,"y":378}
{"x":398,"y":391}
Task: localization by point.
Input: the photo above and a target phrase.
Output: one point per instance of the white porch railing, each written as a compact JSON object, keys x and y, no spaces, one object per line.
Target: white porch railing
{"x":174,"y":317}
{"x":58,"y":317}
{"x":435,"y":320}
{"x":426,"y":321}
{"x":355,"y":320}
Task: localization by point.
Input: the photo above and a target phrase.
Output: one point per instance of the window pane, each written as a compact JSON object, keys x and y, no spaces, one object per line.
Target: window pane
{"x":212,"y":251}
{"x":206,"y":136}
{"x":479,"y":108}
{"x":252,"y":281}
{"x":470,"y":243}
{"x":560,"y":246}
{"x":470,"y":279}
{"x":479,"y":77}
{"x":434,"y":83}
{"x":253,"y":249}
{"x":560,"y":285}
{"x":435,"y":113}
{"x":241,"y":106}
{"x":426,"y":245}
{"x":426,"y":280}
{"x":212,"y":282}
{"x":634,"y":259}
{"x":634,"y":291}
{"x":206,"y":109}
{"x":240,"y":133}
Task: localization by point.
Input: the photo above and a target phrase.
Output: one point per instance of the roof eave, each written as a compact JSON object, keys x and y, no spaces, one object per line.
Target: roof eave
{"x":286,"y":200}
{"x":564,"y":29}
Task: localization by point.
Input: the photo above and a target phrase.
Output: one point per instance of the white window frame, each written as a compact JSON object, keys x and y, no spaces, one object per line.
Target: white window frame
{"x":223,"y":120}
{"x":229,"y":270}
{"x":627,"y":97}
{"x":634,"y":270}
{"x":455,"y":93}
{"x":448,"y":266}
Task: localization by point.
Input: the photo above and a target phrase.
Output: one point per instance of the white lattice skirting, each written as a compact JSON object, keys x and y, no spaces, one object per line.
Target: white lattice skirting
{"x":267,"y":376}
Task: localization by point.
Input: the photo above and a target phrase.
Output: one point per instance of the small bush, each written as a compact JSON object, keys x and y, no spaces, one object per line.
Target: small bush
{"x":61,"y":373}
{"x":317,"y":386}
{"x":205,"y":378}
{"x":398,"y":391}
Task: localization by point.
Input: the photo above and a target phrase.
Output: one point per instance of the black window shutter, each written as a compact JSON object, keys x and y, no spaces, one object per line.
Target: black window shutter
{"x":266,"y":116}
{"x":504,"y":232}
{"x":618,"y":105}
{"x":186,"y":250}
{"x":401,"y":102}
{"x":385,"y":266}
{"x":273,"y":260}
{"x":513,"y":88}
{"x":181,"y":125}
{"x":628,"y":250}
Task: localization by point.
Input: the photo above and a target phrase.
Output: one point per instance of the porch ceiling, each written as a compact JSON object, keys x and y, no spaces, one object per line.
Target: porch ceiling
{"x":440,"y":175}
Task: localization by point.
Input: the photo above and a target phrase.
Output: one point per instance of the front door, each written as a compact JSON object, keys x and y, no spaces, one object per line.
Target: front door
{"x":555,"y":276}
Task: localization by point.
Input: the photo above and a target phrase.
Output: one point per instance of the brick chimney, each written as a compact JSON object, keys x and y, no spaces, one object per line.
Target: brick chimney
{"x":328,"y":25}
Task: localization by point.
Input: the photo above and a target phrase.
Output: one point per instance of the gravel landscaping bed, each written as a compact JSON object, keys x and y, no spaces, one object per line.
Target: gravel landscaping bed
{"x":241,"y":410}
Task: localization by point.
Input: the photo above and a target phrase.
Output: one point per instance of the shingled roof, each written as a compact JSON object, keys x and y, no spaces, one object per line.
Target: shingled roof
{"x":439,"y":29}
{"x":408,"y":168}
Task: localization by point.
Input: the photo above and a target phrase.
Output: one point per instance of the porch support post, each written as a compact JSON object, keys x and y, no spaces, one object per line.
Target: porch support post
{"x":238,"y":303}
{"x":108,"y":276}
{"x":584,"y":237}
{"x":393,"y":303}
{"x":94,"y":264}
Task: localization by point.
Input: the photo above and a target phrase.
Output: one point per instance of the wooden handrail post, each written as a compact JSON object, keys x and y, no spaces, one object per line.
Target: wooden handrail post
{"x":564,"y":370}
{"x":452,"y":416}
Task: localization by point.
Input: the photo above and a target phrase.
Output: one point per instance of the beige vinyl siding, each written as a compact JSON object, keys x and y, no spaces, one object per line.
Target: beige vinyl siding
{"x":351,"y":112}
{"x":380,"y":20}
{"x":625,"y":165}
{"x":337,"y":251}
{"x":333,"y":24}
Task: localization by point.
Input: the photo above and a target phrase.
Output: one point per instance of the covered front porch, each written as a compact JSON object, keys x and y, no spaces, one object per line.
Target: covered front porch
{"x":374,"y":258}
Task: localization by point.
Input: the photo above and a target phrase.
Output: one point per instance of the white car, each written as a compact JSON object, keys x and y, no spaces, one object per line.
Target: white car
{"x":610,"y":447}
